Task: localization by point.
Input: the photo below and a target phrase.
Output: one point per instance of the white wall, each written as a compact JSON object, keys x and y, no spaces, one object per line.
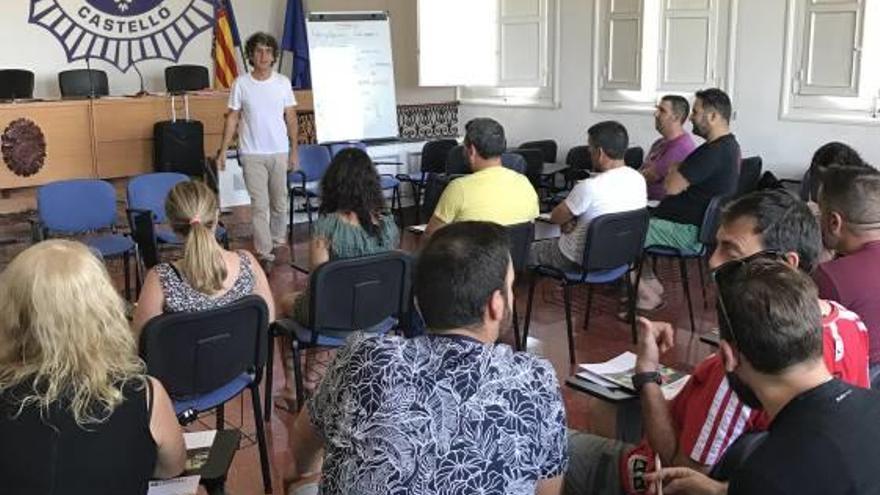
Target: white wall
{"x":785,"y":146}
{"x":33,"y":47}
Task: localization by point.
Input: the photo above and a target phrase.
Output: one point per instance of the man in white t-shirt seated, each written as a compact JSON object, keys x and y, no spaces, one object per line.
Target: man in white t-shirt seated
{"x":615,"y":188}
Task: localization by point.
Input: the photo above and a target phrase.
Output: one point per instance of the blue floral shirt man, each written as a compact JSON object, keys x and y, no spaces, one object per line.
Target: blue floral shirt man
{"x":438,"y":414}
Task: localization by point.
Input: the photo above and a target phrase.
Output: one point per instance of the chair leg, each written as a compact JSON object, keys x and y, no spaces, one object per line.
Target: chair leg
{"x":589,"y":306}
{"x":682,"y":263}
{"x":417,"y":199}
{"x":270,"y":369}
{"x":126,"y":262}
{"x":290,"y":219}
{"x":631,"y":296}
{"x":220,"y":415}
{"x":566,"y":294}
{"x":298,"y":375}
{"x":517,"y":342}
{"x":261,"y":439}
{"x":700,"y":262}
{"x":525,"y":335}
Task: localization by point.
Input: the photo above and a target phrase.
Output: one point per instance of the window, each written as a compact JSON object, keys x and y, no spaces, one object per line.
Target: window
{"x":513,"y":64}
{"x":643,"y":49}
{"x":832,"y":62}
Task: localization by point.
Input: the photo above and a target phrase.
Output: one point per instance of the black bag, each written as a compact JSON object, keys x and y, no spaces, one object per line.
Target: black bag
{"x":179,"y":145}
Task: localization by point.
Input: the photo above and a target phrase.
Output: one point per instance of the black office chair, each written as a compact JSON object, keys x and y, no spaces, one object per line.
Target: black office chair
{"x":579,"y":165}
{"x":16,"y":84}
{"x":83,"y":83}
{"x":706,"y":236}
{"x":534,"y":164}
{"x":434,"y":189}
{"x":182,"y":78}
{"x":205,"y":359}
{"x":634,"y":157}
{"x":368,"y":293}
{"x":749,"y":175}
{"x":433,"y":161}
{"x":514,"y":161}
{"x":548,"y":148}
{"x":521,"y":237}
{"x":456,"y":161}
{"x":613,"y":249}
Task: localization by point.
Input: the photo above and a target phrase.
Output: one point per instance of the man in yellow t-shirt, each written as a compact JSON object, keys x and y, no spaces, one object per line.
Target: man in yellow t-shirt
{"x":491,"y":193}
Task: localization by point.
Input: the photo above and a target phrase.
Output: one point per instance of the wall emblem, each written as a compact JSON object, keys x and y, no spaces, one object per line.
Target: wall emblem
{"x":23,"y":147}
{"x":122,"y":32}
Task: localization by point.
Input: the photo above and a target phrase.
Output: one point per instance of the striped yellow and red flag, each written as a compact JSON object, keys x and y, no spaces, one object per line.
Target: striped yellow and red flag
{"x":225,"y":40}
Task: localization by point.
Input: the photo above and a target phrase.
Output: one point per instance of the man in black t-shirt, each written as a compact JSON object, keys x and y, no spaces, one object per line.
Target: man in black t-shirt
{"x":709,"y":171}
{"x":824,"y":435}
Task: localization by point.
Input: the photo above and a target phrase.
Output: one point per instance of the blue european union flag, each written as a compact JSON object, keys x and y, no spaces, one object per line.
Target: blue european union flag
{"x":295,"y":40}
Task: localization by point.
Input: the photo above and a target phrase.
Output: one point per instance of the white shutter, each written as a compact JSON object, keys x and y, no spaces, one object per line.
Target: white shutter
{"x":455,"y":46}
{"x":523,"y":43}
{"x":688,"y":44}
{"x":622,"y":50}
{"x":830,"y":55}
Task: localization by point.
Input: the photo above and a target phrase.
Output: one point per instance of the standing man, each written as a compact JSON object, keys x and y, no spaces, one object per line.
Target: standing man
{"x":264,"y":103}
{"x":674,"y":145}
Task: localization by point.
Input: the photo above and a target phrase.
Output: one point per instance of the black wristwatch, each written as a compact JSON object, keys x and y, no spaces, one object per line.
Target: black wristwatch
{"x":641,"y":379}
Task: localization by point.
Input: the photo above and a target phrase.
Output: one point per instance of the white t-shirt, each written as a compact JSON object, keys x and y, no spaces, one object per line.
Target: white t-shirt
{"x":617,"y":190}
{"x":262,"y":129}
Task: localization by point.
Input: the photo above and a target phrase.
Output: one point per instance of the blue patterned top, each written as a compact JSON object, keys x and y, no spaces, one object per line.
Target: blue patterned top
{"x":440,"y":415}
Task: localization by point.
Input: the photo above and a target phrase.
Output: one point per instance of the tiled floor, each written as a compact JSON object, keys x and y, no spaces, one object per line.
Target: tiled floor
{"x":605,"y":338}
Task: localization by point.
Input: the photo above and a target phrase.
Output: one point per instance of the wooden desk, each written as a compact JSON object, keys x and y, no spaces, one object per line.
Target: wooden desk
{"x":109,"y":137}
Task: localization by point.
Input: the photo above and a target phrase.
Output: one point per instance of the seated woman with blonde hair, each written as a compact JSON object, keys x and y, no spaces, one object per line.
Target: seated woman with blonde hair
{"x":207,"y":276}
{"x":77,"y":412}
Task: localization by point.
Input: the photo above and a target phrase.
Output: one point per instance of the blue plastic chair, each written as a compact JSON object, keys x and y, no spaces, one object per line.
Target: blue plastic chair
{"x":369,"y":293}
{"x":613,"y":249}
{"x":82,"y":208}
{"x":708,"y":228}
{"x":314,"y":159}
{"x":207,"y":358}
{"x":388,"y":182}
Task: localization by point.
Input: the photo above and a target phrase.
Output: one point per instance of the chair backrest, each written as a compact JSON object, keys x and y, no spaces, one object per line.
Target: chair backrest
{"x":313,"y":160}
{"x":358,"y":293}
{"x":83,"y":82}
{"x":548,"y":148}
{"x":514,"y":161}
{"x":183,"y":78}
{"x":337,"y":147}
{"x":749,"y":175}
{"x":711,"y":219}
{"x":78,"y":205}
{"x":434,"y":155}
{"x":149,"y":192}
{"x":521,"y":236}
{"x":143,"y":231}
{"x":434,"y":188}
{"x":615,"y":239}
{"x":193,"y":353}
{"x":534,"y":163}
{"x":16,"y":83}
{"x":579,"y":157}
{"x":456,"y":161}
{"x":633,"y":157}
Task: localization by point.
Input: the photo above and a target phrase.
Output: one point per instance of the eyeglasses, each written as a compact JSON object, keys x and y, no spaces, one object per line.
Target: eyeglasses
{"x":727,"y":270}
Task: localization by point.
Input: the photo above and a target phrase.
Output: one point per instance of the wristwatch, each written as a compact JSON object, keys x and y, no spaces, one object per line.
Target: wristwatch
{"x":641,"y":379}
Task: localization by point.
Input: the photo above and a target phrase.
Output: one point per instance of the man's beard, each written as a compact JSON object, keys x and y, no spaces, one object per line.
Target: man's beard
{"x":700,"y":128}
{"x":745,"y":393}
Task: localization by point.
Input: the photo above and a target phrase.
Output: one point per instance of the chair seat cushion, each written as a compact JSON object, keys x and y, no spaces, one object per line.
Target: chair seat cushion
{"x":594,"y":277}
{"x":389,"y":182}
{"x":213,"y":399}
{"x":331,"y":337}
{"x":110,"y":244}
{"x":674,"y":252}
{"x":312,"y":188}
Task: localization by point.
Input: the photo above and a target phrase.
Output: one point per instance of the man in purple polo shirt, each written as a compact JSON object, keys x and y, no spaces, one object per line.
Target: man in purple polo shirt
{"x":849,"y":203}
{"x":673,"y":147}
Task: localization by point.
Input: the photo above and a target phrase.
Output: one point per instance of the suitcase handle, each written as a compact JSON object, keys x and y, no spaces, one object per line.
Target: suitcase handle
{"x":174,"y":107}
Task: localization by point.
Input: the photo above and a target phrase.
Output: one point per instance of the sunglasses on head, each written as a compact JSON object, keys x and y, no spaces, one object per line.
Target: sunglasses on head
{"x":721,"y":274}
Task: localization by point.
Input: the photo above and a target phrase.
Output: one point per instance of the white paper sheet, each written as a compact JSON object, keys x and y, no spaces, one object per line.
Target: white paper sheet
{"x":185,"y":485}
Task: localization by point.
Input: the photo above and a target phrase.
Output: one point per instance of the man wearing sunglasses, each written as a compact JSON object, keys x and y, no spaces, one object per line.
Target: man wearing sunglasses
{"x":824,"y":437}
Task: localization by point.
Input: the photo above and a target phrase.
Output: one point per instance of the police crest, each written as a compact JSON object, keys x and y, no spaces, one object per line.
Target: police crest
{"x":122,"y":32}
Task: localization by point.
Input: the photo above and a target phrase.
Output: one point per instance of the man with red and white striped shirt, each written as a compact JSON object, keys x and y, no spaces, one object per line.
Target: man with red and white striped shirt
{"x":696,"y":428}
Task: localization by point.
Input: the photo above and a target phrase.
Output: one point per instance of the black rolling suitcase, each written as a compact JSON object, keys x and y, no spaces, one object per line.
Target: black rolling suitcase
{"x":179,"y":145}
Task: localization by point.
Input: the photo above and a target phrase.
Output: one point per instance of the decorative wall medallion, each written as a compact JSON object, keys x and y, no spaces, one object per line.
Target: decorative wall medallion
{"x":123,"y":31}
{"x":23,"y":147}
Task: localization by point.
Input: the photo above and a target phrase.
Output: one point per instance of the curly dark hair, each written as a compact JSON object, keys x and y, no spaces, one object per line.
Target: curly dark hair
{"x":351,"y":184}
{"x":260,"y":38}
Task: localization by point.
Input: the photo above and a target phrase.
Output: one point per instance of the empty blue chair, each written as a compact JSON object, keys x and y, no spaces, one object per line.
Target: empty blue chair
{"x":314,"y":160}
{"x":83,"y":207}
{"x":147,"y":193}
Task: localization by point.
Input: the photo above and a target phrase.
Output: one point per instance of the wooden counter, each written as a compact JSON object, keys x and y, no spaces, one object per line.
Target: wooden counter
{"x":109,"y":137}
